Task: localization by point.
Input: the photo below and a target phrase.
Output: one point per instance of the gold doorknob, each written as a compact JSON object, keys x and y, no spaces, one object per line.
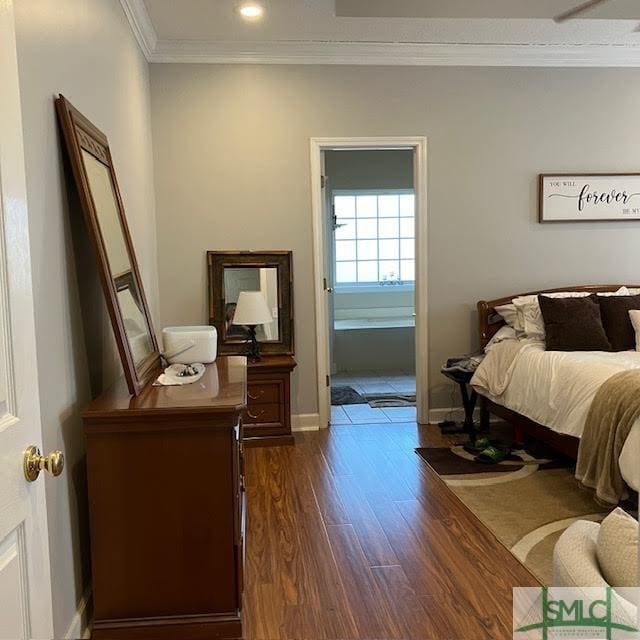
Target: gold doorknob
{"x":35,"y":462}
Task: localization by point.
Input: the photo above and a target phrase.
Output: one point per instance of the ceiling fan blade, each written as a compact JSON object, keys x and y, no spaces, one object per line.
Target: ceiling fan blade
{"x":576,"y":11}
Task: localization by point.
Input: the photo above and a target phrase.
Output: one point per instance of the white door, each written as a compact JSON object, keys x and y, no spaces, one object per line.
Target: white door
{"x":25,"y":581}
{"x":329,"y":243}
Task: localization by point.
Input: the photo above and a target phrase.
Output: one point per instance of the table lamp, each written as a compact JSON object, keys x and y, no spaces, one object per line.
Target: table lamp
{"x":252,"y":310}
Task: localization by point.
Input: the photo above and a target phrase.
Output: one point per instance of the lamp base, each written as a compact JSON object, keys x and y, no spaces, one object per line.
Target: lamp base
{"x":253,"y":347}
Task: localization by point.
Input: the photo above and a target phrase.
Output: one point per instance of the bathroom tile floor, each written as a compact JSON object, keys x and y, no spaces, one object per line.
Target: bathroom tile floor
{"x":374,"y":382}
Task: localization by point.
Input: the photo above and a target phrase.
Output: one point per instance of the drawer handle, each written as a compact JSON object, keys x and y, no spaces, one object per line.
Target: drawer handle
{"x":260,"y":394}
{"x":254,"y":417}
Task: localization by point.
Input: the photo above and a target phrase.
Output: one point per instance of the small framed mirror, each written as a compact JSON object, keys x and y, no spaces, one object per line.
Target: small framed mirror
{"x":268,"y":278}
{"x":95,"y":178}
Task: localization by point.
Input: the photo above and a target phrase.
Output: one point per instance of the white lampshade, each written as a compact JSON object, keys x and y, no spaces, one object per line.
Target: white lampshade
{"x":252,"y":309}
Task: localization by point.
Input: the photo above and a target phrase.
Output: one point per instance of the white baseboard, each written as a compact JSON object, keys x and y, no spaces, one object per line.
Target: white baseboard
{"x":79,"y":626}
{"x":305,"y":422}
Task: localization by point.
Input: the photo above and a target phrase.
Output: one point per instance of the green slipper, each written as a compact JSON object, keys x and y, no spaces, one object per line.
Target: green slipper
{"x":492,"y":455}
{"x":479,"y":445}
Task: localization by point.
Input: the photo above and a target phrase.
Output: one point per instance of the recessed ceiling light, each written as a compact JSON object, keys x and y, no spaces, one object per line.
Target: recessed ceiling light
{"x":251,"y":10}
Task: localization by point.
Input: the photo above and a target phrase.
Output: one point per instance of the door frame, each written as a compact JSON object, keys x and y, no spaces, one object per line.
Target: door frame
{"x":419,"y":146}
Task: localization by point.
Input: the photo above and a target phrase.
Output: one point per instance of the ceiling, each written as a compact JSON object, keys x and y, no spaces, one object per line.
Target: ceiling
{"x":619,"y":9}
{"x":433,"y":32}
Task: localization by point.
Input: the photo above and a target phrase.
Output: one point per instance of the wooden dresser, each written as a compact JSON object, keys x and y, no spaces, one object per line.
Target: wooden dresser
{"x":267,"y":418}
{"x":167,"y":507}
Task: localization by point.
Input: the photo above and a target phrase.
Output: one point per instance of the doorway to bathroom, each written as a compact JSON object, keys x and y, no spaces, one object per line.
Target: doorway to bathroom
{"x":371,"y":266}
{"x":370,"y":203}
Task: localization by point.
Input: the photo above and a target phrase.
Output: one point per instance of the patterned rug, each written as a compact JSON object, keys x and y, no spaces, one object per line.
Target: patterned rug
{"x":343,"y":394}
{"x":527,"y":501}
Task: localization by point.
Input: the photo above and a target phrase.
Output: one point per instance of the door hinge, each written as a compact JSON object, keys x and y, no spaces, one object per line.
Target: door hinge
{"x":324,"y":283}
{"x":323,"y":181}
{"x":328,"y":380}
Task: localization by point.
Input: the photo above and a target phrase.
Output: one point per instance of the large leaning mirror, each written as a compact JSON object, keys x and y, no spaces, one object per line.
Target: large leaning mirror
{"x":267,"y":277}
{"x":95,"y":178}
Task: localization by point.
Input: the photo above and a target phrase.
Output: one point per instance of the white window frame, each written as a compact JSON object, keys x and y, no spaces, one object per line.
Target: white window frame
{"x":372,"y":287}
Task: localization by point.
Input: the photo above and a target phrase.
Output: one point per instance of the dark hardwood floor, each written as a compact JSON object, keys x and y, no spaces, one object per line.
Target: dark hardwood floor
{"x":351,"y":535}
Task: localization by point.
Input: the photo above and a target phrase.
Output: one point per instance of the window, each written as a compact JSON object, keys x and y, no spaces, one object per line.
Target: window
{"x":374,"y":238}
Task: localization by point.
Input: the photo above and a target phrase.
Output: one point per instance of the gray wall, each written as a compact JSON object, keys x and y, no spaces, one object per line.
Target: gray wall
{"x":388,"y":169}
{"x":85,"y":50}
{"x":231,"y":150}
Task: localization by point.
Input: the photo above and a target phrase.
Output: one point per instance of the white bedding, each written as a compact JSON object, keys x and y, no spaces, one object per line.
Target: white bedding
{"x":556,"y":388}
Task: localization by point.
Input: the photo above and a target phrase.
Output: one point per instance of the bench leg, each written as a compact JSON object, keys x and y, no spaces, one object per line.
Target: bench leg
{"x":485,"y":414}
{"x":519,"y":436}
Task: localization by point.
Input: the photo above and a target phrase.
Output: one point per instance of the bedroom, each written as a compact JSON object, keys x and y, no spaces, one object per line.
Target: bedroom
{"x":209,"y":119}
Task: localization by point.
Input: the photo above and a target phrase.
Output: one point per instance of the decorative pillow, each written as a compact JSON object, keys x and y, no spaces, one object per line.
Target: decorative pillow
{"x":573,"y":324}
{"x":529,"y":322}
{"x":618,"y":549}
{"x":616,"y":321}
{"x":529,"y":319}
{"x":634,"y":316}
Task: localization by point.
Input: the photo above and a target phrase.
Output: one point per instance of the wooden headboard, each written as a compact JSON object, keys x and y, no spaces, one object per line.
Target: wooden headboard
{"x":489,"y":321}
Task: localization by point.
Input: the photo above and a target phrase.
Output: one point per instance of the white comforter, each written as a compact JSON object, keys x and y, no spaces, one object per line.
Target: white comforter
{"x":556,"y":388}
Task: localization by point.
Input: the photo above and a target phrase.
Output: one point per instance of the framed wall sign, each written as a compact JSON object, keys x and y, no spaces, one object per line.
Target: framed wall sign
{"x":587,"y":197}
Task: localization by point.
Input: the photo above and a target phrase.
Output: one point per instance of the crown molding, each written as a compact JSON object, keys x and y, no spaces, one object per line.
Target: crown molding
{"x":373,"y":53}
{"x":141,"y":25}
{"x":378,"y":53}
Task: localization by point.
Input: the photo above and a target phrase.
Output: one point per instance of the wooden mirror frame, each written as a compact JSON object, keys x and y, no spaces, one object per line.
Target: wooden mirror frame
{"x":80,"y":134}
{"x":217,"y":262}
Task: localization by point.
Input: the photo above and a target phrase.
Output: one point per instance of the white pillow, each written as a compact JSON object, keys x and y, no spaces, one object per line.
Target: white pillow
{"x":634,"y":315}
{"x":618,"y":549}
{"x":508,"y":313}
{"x":622,"y":291}
{"x":529,"y":318}
{"x":502,"y":334}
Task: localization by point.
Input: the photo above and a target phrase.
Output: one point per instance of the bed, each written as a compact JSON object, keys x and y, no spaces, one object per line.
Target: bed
{"x":547,"y":393}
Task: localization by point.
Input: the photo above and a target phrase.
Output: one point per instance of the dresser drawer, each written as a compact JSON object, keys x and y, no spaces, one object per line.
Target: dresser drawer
{"x":267,"y":418}
{"x":272,"y":413}
{"x":264,"y":393}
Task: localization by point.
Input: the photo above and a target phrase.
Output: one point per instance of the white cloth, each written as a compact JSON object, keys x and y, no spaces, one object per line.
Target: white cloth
{"x":556,"y":389}
{"x":171,"y":376}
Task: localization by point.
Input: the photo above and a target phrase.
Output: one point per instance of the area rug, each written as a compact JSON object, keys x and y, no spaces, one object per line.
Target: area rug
{"x":451,"y":461}
{"x":343,"y":394}
{"x":382,"y":400}
{"x":526,"y":501}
